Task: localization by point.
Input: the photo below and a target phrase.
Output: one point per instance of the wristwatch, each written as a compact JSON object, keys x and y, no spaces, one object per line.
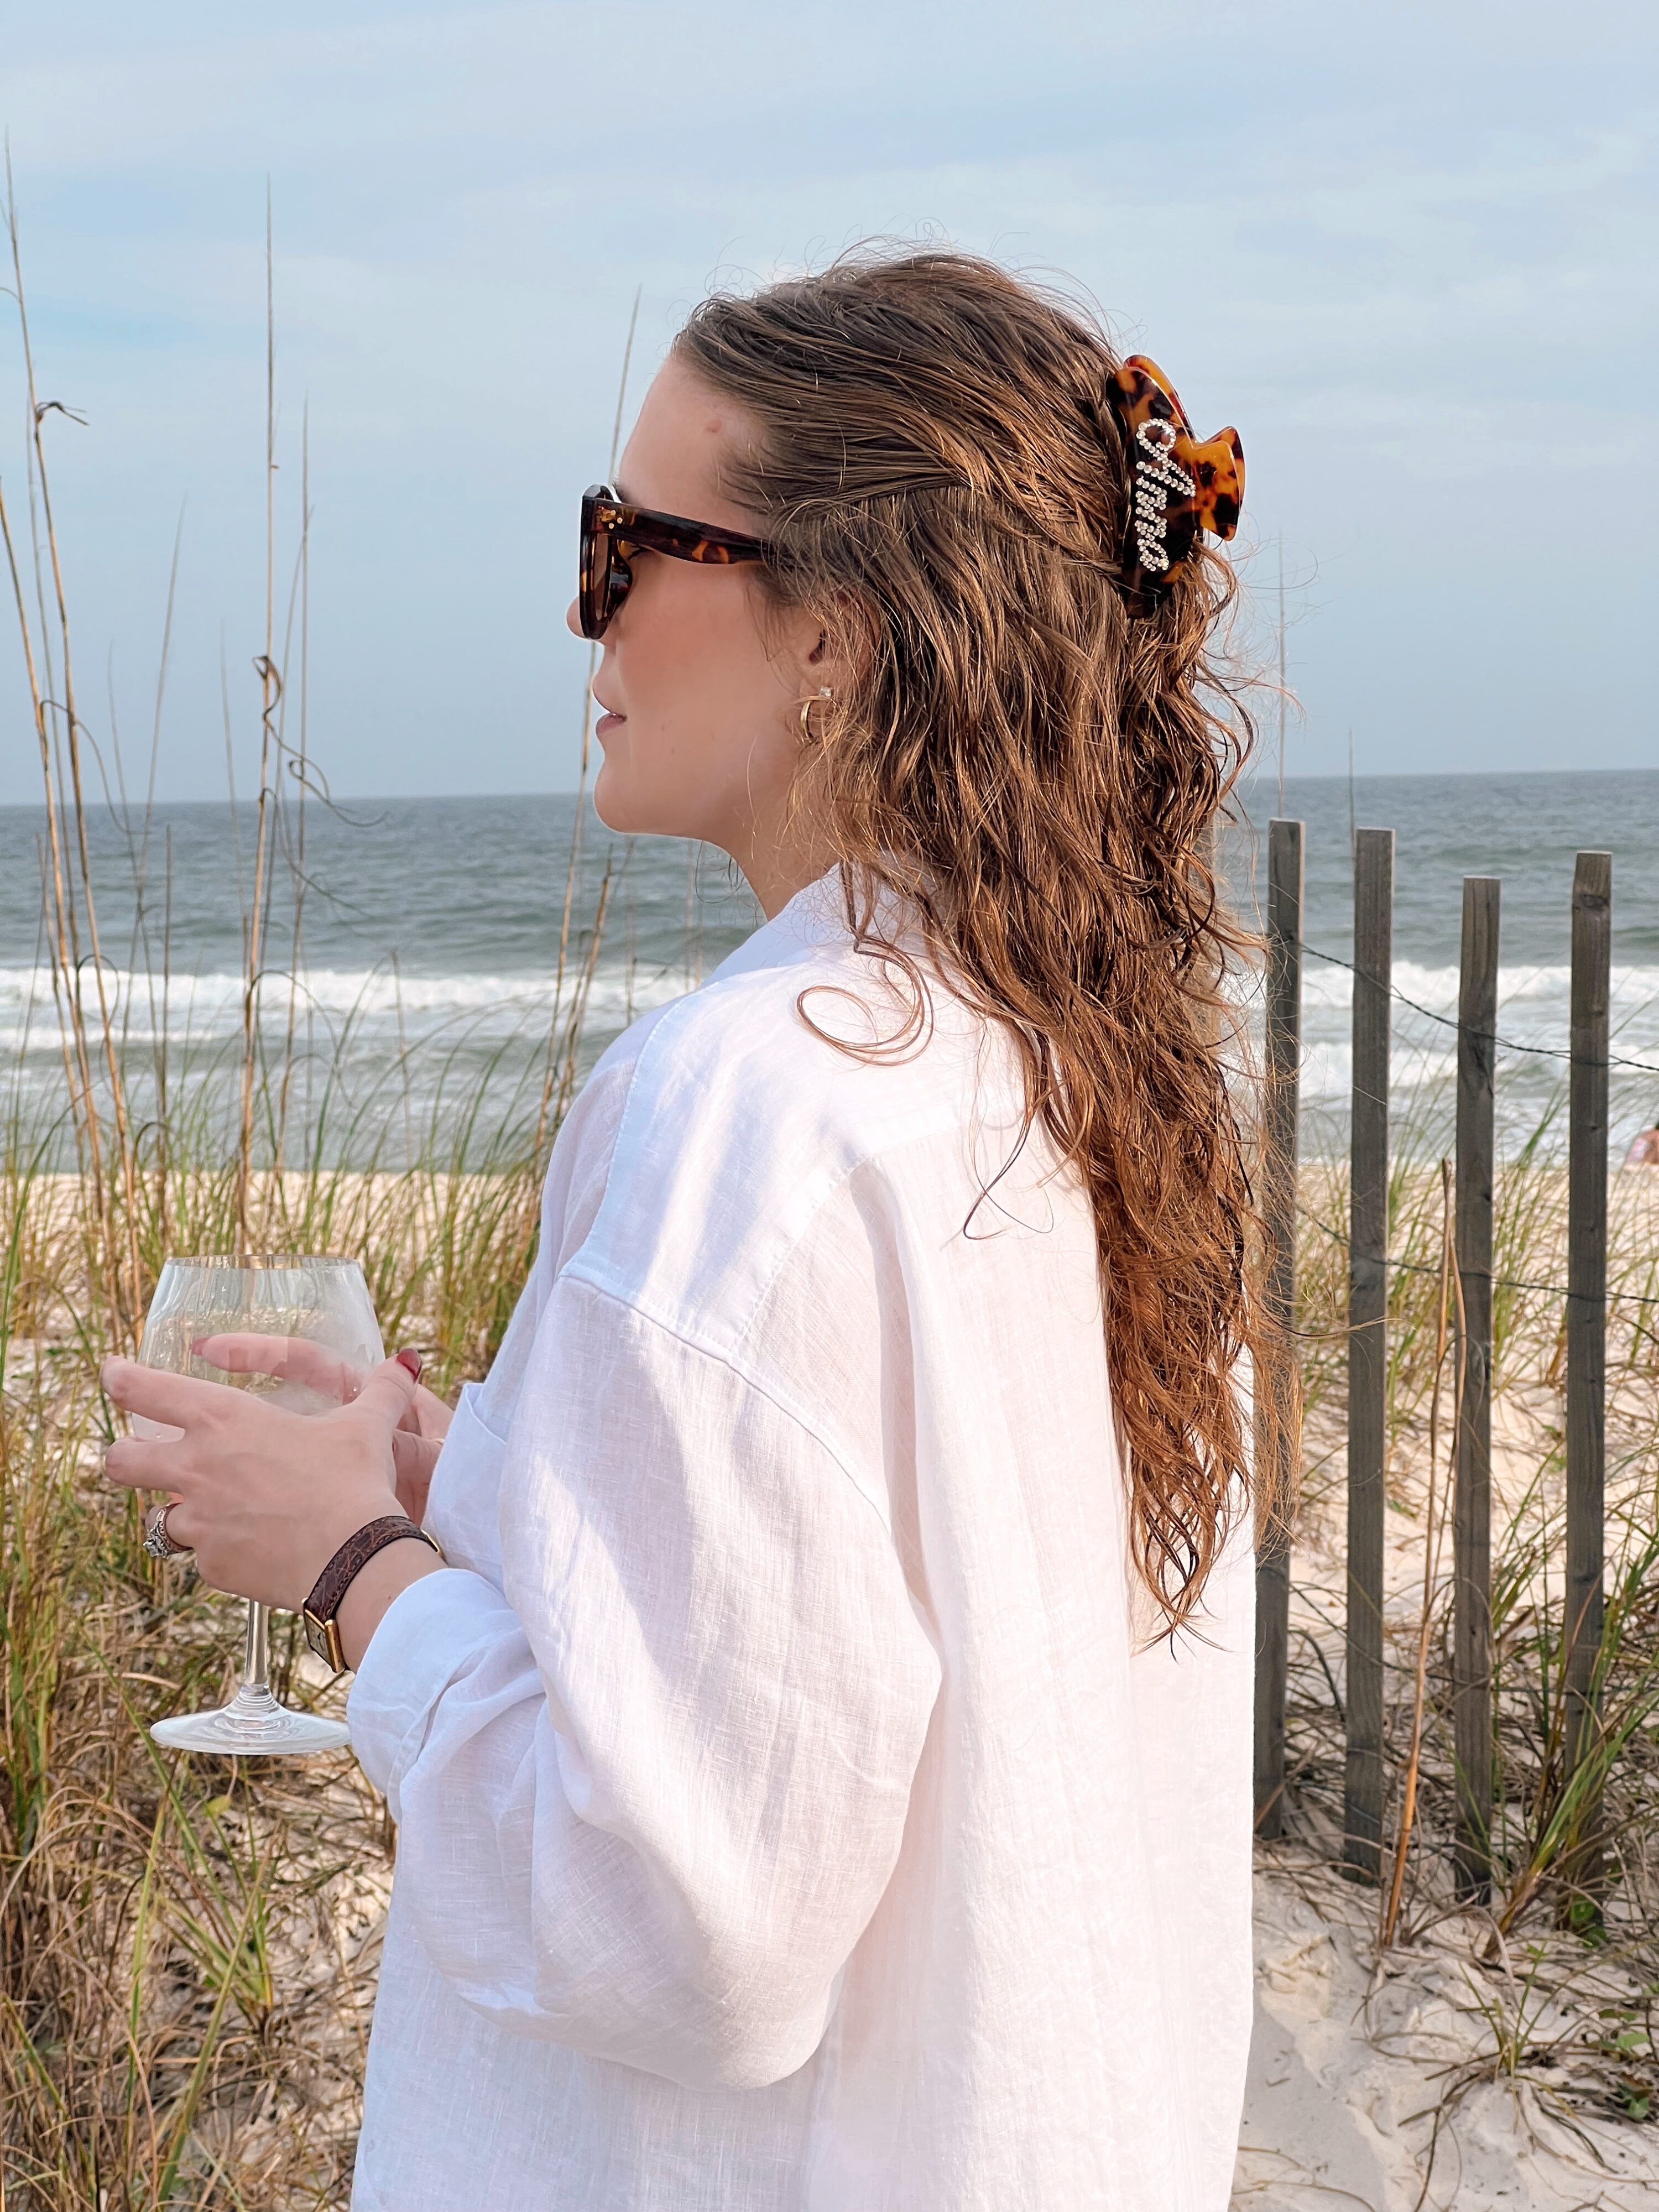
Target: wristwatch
{"x":321,"y":1608}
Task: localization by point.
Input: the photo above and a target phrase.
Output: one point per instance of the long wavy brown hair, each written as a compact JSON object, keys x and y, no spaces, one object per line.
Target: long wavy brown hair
{"x":1034,"y":773}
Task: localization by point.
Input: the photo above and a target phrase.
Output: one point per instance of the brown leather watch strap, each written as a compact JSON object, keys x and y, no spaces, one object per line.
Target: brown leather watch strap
{"x":354,"y":1555}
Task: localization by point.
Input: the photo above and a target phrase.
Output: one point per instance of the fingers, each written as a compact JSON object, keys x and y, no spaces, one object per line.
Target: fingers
{"x":413,"y":1454}
{"x":137,"y":1464}
{"x":427,"y":1416}
{"x":245,"y":1352}
{"x":388,"y":1394}
{"x":185,"y":1525}
{"x":288,"y":1358}
{"x":180,"y":1400}
{"x":413,"y":1459}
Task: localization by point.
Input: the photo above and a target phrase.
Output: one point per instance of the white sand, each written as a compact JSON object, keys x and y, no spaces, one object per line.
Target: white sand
{"x":1345,"y":2075}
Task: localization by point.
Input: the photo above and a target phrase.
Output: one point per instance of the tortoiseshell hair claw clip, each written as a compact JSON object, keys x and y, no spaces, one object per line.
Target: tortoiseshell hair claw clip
{"x":1178,"y":487}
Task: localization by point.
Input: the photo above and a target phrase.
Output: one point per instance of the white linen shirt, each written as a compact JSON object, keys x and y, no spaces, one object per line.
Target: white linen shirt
{"x":795,"y":1812}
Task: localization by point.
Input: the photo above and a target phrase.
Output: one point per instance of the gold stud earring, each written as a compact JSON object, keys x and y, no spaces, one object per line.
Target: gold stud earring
{"x":806,"y":707}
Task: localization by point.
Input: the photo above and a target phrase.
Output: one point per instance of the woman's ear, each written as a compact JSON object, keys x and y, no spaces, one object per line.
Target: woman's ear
{"x":838,"y":652}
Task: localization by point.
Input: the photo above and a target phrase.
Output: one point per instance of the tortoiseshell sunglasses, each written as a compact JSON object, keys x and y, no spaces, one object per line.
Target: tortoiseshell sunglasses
{"x":611,"y":529}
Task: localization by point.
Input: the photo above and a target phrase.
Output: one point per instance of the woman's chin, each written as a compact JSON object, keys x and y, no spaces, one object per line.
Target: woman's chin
{"x":610,"y":800}
{"x":634,"y":809}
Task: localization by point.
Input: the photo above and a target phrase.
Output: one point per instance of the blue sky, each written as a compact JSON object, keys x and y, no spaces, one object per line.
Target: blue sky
{"x":1408,"y":250}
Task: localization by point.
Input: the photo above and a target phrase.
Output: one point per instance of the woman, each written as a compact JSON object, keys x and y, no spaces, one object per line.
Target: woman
{"x":822,"y":1764}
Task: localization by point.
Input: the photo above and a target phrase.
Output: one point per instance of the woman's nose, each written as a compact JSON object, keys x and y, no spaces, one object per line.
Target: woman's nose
{"x":573,"y":620}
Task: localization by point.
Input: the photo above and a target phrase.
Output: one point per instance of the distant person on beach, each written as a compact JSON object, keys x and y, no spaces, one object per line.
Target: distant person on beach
{"x":1643,"y":1149}
{"x":820,"y":1756}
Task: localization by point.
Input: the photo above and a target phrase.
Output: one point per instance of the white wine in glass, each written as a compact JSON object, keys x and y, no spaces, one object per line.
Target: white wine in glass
{"x":326,"y":1300}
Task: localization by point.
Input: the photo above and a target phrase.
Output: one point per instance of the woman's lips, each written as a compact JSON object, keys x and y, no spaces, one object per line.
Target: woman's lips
{"x":607,"y":722}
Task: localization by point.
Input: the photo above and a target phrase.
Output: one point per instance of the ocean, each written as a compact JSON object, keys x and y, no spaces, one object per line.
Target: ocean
{"x":429,"y":971}
{"x":1526,"y":830}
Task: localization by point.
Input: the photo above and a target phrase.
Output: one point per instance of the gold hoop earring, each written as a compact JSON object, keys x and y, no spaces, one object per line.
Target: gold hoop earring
{"x":805,"y":715}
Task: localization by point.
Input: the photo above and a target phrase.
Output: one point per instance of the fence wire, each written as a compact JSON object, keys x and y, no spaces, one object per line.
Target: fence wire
{"x":1486,"y":1037}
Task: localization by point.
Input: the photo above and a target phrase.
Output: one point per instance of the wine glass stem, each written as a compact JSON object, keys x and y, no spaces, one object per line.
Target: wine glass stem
{"x":255,"y":1662}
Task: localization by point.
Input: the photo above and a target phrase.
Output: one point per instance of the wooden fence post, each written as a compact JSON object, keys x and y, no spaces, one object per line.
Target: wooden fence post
{"x":1277,"y":1438}
{"x":1472,"y":1683}
{"x":1587,"y":1285}
{"x":1368,"y":1323}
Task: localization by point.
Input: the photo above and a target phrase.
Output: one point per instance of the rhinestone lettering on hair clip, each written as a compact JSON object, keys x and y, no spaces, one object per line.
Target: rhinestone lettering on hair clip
{"x":1156,"y":475}
{"x":1178,"y":487}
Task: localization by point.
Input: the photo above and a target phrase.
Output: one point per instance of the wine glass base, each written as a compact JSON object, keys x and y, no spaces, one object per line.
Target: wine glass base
{"x":251,"y":1726}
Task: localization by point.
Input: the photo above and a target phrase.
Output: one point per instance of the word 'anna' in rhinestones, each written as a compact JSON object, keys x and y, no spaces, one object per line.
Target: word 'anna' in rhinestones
{"x":1158,"y":475}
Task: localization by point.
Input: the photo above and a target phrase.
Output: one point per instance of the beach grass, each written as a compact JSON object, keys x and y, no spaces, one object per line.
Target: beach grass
{"x":188,"y":1944}
{"x":1562,"y":1961}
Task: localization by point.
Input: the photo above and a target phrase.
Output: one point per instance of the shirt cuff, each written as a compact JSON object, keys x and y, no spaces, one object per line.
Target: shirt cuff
{"x":427,"y":1638}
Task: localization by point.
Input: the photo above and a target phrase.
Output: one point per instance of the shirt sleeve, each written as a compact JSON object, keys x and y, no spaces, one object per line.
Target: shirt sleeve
{"x":649,"y":1799}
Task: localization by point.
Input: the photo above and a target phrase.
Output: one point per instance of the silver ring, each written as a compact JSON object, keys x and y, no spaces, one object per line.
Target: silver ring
{"x":157,"y":1542}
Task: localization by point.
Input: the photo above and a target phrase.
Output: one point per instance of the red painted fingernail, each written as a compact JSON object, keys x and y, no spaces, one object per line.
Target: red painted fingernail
{"x":409,"y":1359}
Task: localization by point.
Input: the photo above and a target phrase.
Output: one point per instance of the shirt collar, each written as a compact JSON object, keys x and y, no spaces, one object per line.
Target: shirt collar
{"x":815,"y":916}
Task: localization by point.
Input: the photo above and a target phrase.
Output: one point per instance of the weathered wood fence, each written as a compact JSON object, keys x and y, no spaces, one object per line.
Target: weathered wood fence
{"x":1276,"y":1439}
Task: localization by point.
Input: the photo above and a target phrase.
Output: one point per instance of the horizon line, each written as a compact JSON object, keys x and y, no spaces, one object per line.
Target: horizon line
{"x":1254,"y":776}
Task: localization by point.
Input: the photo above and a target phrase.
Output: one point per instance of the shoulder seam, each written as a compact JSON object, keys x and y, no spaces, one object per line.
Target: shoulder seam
{"x":615,"y":1145}
{"x":664,"y":1016}
{"x":668,"y":1019}
{"x":794,"y":1413}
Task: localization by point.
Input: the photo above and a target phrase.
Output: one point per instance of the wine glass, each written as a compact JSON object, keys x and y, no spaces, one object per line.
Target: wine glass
{"x":324,"y":1300}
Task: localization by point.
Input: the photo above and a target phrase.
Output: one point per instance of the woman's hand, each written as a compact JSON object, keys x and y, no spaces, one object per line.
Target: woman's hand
{"x":265,"y":1497}
{"x":420,"y":1434}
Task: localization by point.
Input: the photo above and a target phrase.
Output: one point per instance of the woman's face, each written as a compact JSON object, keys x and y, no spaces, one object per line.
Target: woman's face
{"x":701,"y":679}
